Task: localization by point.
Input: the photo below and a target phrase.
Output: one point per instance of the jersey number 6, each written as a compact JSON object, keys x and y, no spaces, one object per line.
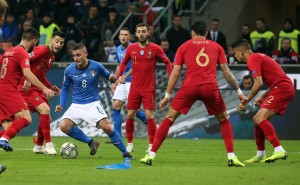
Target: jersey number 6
{"x":202,"y":54}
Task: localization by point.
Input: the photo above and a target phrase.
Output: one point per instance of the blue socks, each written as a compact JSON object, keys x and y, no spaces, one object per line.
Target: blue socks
{"x":142,"y":116}
{"x":117,"y":120}
{"x":117,"y":141}
{"x":77,"y":134}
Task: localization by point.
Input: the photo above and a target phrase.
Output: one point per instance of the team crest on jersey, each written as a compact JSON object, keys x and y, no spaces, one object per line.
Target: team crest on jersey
{"x":84,"y":75}
{"x":31,"y":54}
{"x":142,"y":52}
{"x":93,"y":73}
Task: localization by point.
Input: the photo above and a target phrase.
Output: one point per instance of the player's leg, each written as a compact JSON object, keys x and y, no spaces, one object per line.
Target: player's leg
{"x":262,"y":120}
{"x":117,"y":116}
{"x":114,"y":136}
{"x":161,"y":135}
{"x":141,"y":115}
{"x":22,"y":119}
{"x":44,"y":111}
{"x":130,"y":128}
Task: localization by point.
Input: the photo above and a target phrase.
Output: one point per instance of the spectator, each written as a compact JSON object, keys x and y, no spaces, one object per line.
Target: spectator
{"x":72,"y":30}
{"x":164,"y":44}
{"x":247,"y":82}
{"x":91,"y":26}
{"x":286,"y":54}
{"x":177,"y":35}
{"x":67,"y":57}
{"x":290,"y":32}
{"x":9,"y":28}
{"x":144,"y":5}
{"x":30,"y":16}
{"x":245,"y":33}
{"x":103,"y":10}
{"x":22,"y":6}
{"x":231,"y":56}
{"x":121,"y":6}
{"x":133,"y":19}
{"x":46,"y":29}
{"x":82,"y":9}
{"x":16,"y":39}
{"x":154,"y":36}
{"x":61,"y":10}
{"x":261,"y":36}
{"x":111,"y":25}
{"x":215,"y":35}
{"x":41,"y":6}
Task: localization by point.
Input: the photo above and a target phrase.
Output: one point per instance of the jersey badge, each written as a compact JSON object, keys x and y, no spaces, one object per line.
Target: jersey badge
{"x":93,"y":73}
{"x":84,"y":75}
{"x":142,"y":52}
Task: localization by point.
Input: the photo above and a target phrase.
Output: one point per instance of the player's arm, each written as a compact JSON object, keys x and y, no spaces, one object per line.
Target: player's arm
{"x":171,"y":85}
{"x":34,"y":80}
{"x":64,"y":93}
{"x":128,"y":74}
{"x":163,"y":57}
{"x":114,"y":85}
{"x":258,"y":101}
{"x":106,"y":74}
{"x":123,"y":65}
{"x":232,"y":81}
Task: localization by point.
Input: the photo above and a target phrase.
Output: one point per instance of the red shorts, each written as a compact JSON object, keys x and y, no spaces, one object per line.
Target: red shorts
{"x":135,"y":98}
{"x":11,"y":102}
{"x":279,"y":98}
{"x":34,"y":99}
{"x":209,"y":94}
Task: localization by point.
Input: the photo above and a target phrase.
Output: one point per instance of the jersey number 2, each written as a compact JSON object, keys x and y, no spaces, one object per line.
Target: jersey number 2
{"x":202,"y":54}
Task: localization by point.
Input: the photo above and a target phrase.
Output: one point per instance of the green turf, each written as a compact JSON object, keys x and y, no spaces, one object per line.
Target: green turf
{"x":179,"y":161}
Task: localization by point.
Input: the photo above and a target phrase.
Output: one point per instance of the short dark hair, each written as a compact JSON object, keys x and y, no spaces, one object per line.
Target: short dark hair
{"x":125,"y":28}
{"x":30,"y":34}
{"x":243,"y":44}
{"x":142,"y":25}
{"x":262,"y":20}
{"x":246,"y":25}
{"x":59,"y":33}
{"x":79,"y":46}
{"x":215,"y":20}
{"x":247,"y":77}
{"x":199,"y":27}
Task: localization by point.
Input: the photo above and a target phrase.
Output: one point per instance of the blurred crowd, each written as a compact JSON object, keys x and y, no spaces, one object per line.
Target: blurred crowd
{"x":94,"y":22}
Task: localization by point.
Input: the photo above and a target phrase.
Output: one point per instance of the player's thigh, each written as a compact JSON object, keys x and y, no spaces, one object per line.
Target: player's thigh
{"x":94,"y":113}
{"x":184,"y":99}
{"x":278,"y":99}
{"x":212,"y":99}
{"x":134,"y":100}
{"x":73,"y":113}
{"x":263,"y":114}
{"x":148,"y":99}
{"x":120,"y":93}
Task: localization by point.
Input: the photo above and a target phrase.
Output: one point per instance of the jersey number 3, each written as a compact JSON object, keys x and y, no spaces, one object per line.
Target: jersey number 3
{"x":202,"y":54}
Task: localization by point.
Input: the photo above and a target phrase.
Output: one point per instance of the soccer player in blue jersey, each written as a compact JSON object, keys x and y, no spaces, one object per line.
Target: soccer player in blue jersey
{"x":120,"y":90}
{"x":83,"y":75}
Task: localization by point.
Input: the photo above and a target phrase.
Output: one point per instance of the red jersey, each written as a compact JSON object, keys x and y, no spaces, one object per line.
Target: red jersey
{"x":13,"y":61}
{"x":40,"y":63}
{"x":264,"y":66}
{"x":143,"y":65}
{"x":201,"y":57}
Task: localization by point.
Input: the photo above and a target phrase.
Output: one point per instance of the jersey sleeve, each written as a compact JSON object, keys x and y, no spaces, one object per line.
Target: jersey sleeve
{"x":125,"y":61}
{"x":254,"y":64}
{"x":117,"y":52}
{"x":23,"y":59}
{"x":65,"y":89}
{"x":178,"y":60}
{"x":36,"y":54}
{"x":222,"y":57}
{"x":103,"y":71}
{"x":163,"y":57}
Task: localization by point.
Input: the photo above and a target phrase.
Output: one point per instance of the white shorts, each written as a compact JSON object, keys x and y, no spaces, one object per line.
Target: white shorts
{"x":91,"y":113}
{"x":122,"y":91}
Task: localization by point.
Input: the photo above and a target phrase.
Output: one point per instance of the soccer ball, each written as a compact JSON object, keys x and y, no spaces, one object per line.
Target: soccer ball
{"x":69,"y":151}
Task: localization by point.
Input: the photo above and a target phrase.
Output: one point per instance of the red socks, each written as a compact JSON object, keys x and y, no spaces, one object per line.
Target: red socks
{"x":151,"y":125}
{"x":259,"y":138}
{"x":129,"y":130}
{"x":161,"y":134}
{"x":227,"y":135}
{"x":45,"y":127}
{"x":269,"y":132}
{"x":15,"y":128}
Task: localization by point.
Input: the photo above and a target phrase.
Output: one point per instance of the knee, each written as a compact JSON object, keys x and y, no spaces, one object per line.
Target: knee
{"x":64,"y":127}
{"x":106,"y":126}
{"x":257,"y":119}
{"x":28,"y":118}
{"x":116,"y":106}
{"x":130,"y":115}
{"x":45,"y":110}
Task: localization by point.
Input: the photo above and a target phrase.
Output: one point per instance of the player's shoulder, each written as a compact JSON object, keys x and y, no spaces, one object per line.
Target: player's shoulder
{"x":71,"y":67}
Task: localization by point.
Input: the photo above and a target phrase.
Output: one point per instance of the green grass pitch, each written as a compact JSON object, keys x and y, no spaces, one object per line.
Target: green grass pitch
{"x":179,"y":161}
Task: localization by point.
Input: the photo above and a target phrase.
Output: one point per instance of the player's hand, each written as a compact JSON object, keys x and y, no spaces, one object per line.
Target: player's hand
{"x":243,"y":99}
{"x":241,"y":107}
{"x":112,"y":78}
{"x":55,"y":89}
{"x":163,"y":103}
{"x":50,"y":94}
{"x":26,"y":85}
{"x":258,"y":101}
{"x":58,"y":108}
{"x":122,"y":80}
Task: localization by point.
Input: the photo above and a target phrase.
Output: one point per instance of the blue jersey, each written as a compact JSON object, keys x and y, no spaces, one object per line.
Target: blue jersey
{"x":120,"y":53}
{"x":84,"y":83}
